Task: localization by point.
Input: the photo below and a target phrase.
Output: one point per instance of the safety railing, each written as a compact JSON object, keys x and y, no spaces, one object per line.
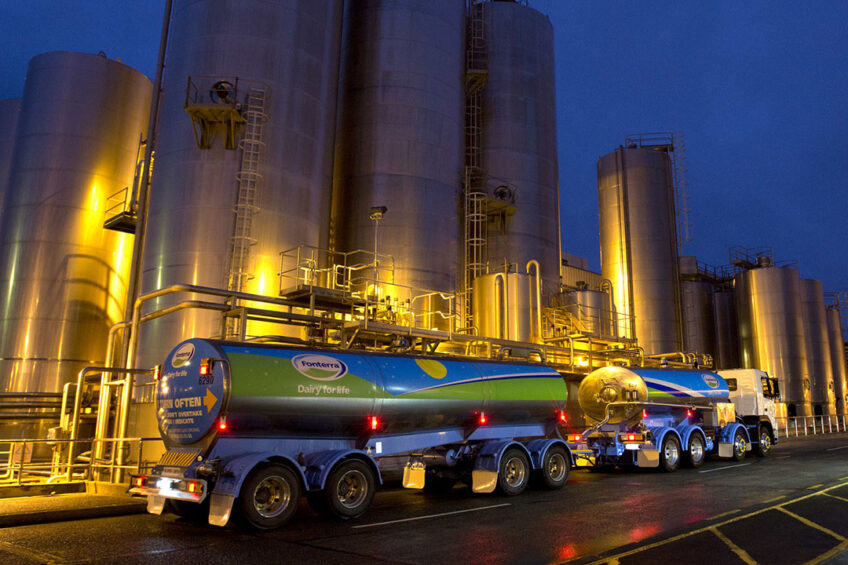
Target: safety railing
{"x":19,"y":467}
{"x":812,"y":425}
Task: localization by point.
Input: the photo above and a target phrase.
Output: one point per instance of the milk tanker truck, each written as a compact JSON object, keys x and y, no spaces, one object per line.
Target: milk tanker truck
{"x":249,"y":428}
{"x":654,"y":417}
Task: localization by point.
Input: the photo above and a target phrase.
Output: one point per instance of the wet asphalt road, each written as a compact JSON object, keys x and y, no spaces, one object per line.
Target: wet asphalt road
{"x":791,"y":507}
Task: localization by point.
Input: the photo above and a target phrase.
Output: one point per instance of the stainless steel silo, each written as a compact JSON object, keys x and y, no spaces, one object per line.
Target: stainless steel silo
{"x":836,"y":344}
{"x":727,"y":330}
{"x":505,"y":306}
{"x":639,"y":245}
{"x":698,"y":313}
{"x":10,"y":110}
{"x":592,"y":309}
{"x":771,"y":331}
{"x":818,"y":349}
{"x":275,"y":64}
{"x":519,"y":145}
{"x":63,"y":276}
{"x":399,"y":143}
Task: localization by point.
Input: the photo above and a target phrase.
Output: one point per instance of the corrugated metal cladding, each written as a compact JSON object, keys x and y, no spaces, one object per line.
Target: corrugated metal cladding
{"x":639,"y":245}
{"x":519,"y":137}
{"x":400,"y":140}
{"x":291,"y":49}
{"x":771,"y":331}
{"x":10,"y":110}
{"x":572,"y":276}
{"x":836,"y":344}
{"x":818,"y":349}
{"x":64,"y":277}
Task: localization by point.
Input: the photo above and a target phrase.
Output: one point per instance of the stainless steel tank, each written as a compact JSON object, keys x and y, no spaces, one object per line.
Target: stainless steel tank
{"x":505,"y":306}
{"x":284,"y":53}
{"x":64,"y":276}
{"x":399,"y":142}
{"x":836,"y":343}
{"x":10,"y":110}
{"x":639,"y":245}
{"x":818,"y":348}
{"x":727,"y":330}
{"x":698,"y":314}
{"x":519,"y":144}
{"x":771,"y":331}
{"x":593,"y":311}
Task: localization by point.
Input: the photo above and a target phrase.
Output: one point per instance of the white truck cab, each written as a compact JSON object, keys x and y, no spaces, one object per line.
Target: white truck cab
{"x":756,"y":397}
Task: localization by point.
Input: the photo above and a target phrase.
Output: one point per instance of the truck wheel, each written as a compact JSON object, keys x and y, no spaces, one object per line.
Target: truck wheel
{"x":514,"y":472}
{"x":350,"y":489}
{"x":697,"y":453}
{"x":740,"y":445}
{"x":764,"y":447}
{"x":670,"y":454}
{"x":268,"y":497}
{"x":555,"y":467}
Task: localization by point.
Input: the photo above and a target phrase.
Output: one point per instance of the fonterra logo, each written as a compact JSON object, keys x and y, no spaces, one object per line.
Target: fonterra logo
{"x":319,"y":367}
{"x":182,"y":355}
{"x":711,"y":381}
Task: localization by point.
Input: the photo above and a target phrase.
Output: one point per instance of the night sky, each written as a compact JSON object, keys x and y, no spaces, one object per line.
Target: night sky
{"x":758,"y":89}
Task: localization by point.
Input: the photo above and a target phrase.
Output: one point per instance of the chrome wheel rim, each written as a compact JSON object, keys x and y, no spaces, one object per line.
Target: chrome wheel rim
{"x":765,"y":442}
{"x":670,"y":453}
{"x":740,"y":445}
{"x":556,"y":467}
{"x":352,"y":488}
{"x":271,"y":497}
{"x":514,"y":471}
{"x":696,"y":449}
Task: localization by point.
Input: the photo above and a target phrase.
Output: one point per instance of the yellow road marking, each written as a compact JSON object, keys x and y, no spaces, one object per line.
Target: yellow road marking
{"x":838,"y":549}
{"x":812,"y":524}
{"x":836,"y":497}
{"x":775,"y":499}
{"x":37,"y":556}
{"x":613,"y":560}
{"x":740,"y":553}
{"x":843,"y":478}
{"x":722,"y":515}
{"x":815,"y":486}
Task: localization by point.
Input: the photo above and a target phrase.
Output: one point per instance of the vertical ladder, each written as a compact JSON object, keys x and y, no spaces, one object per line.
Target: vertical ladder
{"x":476,"y":76}
{"x":684,"y":227}
{"x":249,"y":182}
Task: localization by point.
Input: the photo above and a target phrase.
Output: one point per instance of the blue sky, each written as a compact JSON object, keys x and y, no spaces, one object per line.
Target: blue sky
{"x":759,"y":90}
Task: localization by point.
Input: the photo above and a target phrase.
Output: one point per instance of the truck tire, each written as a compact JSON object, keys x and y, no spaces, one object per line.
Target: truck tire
{"x":670,"y":453}
{"x":555,"y":467}
{"x":514,"y":472}
{"x":765,"y":444}
{"x":696,"y":454}
{"x":268,"y":497}
{"x":740,"y":445}
{"x":349,"y":489}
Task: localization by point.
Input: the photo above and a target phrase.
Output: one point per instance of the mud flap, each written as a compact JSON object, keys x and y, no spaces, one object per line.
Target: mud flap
{"x":483,"y":482}
{"x":413,"y":475}
{"x":725,"y":449}
{"x":220,"y":508}
{"x":155,"y":504}
{"x":648,"y":458}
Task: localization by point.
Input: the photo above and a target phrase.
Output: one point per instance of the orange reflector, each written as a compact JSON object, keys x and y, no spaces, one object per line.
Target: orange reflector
{"x":375,"y":422}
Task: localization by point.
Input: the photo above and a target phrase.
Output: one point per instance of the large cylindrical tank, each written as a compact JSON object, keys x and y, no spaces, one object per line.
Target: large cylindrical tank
{"x":639,"y":245}
{"x":592,"y":309}
{"x":399,"y":142}
{"x":286,"y":51}
{"x":818,"y":348}
{"x":64,"y":276}
{"x":698,"y":313}
{"x":519,"y":152}
{"x":771,"y":331}
{"x":292,"y":392}
{"x":727,"y":330}
{"x":836,"y":344}
{"x":639,"y":384}
{"x":505,"y":306}
{"x":10,"y":110}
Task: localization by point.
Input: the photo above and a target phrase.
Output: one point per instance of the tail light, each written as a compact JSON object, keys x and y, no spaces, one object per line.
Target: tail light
{"x":138,"y":482}
{"x":374,"y":423}
{"x":631,"y":437}
{"x":483,"y":418}
{"x":157,"y":372}
{"x":222,"y":425}
{"x":205,"y":367}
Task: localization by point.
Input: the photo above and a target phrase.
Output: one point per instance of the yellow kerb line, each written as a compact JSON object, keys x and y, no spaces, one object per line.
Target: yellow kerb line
{"x":613,"y":560}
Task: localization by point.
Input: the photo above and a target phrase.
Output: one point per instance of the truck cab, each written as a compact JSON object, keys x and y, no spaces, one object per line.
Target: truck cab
{"x":756,"y":397}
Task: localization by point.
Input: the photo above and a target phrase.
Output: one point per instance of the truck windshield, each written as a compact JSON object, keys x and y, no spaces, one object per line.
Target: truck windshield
{"x":731,"y":384}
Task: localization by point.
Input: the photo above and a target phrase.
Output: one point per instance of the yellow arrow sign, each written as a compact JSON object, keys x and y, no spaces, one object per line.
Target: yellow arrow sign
{"x":209,"y":400}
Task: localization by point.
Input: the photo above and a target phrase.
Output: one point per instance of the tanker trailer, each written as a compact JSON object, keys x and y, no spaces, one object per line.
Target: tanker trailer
{"x":248,"y":428}
{"x":648,"y":417}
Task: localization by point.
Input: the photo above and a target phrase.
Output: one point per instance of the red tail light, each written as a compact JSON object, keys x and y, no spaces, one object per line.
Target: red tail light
{"x":139,"y":481}
{"x":193,"y":487}
{"x":374,"y":423}
{"x":483,"y":419}
{"x":562,"y":417}
{"x":644,"y":414}
{"x":205,"y":366}
{"x":688,"y":413}
{"x":222,"y":425}
{"x":157,"y":371}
